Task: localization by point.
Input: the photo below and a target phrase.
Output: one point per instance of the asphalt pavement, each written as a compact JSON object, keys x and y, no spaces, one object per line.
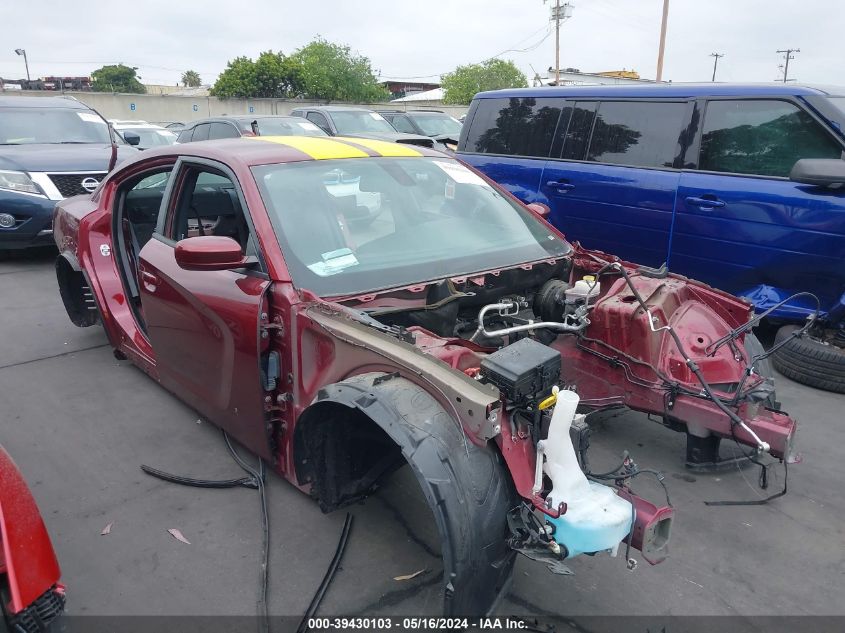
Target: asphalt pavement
{"x":79,"y":423}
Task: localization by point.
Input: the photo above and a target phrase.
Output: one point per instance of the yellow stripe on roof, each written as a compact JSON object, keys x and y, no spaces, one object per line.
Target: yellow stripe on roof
{"x":316,"y":147}
{"x":385,"y":148}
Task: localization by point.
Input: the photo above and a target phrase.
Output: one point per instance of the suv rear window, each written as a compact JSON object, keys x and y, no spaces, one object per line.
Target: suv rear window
{"x":639,"y":133}
{"x":514,"y":127}
{"x":760,"y":137}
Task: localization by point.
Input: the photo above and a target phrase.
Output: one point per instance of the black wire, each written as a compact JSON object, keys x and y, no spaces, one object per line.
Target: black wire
{"x":327,"y":579}
{"x":256,"y":481}
{"x":246,"y":482}
{"x":264,"y":572}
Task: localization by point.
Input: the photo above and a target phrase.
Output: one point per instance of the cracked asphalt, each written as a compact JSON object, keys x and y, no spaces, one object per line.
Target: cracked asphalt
{"x":79,"y":424}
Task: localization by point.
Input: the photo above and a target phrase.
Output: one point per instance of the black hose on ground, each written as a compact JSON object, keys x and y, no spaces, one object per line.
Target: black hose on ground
{"x":329,"y":576}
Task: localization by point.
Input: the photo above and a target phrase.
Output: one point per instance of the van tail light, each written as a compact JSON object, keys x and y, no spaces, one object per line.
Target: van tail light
{"x":652,"y":528}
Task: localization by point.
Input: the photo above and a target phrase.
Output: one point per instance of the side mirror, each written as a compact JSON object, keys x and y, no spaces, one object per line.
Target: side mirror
{"x":821,"y":172}
{"x":210,"y":252}
{"x":540,"y":210}
{"x":131,"y":137}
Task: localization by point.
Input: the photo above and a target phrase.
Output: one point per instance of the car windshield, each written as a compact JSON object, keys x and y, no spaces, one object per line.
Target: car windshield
{"x":437,"y":124}
{"x":288,"y":126}
{"x":360,"y":122}
{"x":25,"y":126}
{"x":151,"y":137}
{"x":357,"y":225}
{"x":839,"y":104}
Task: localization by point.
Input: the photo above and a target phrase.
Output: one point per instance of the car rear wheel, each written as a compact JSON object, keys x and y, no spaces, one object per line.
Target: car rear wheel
{"x":811,"y":360}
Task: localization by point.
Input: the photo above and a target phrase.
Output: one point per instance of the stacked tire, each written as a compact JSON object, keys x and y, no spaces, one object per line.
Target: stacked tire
{"x":810,"y":361}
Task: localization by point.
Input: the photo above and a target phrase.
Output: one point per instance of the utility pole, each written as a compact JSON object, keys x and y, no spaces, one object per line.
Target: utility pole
{"x":557,"y":42}
{"x":21,"y":51}
{"x":560,"y":12}
{"x":662,"y":40}
{"x":787,"y":56}
{"x":716,"y":57}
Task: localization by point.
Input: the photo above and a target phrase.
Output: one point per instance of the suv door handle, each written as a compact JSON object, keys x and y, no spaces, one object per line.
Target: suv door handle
{"x":705,"y":203}
{"x":560,"y":185}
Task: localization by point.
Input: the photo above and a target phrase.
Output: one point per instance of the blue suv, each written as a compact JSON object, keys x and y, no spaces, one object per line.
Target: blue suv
{"x":50,"y":148}
{"x":704,"y":178}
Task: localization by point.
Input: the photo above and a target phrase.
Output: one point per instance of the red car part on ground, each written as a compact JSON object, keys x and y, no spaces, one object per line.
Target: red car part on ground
{"x":29,"y":572}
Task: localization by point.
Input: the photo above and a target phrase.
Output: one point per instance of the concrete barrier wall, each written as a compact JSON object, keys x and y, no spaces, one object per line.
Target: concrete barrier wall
{"x":170,"y":108}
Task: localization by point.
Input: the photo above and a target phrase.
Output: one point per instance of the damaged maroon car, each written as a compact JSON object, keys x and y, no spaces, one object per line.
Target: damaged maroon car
{"x":345,"y":306}
{"x":32,"y":596}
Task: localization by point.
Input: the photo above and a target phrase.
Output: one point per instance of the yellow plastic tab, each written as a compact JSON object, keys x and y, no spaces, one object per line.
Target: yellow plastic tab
{"x":546,"y":403}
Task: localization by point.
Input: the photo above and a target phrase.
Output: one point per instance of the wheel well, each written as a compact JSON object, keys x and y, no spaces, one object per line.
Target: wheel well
{"x":76,"y":294}
{"x":342,"y":453}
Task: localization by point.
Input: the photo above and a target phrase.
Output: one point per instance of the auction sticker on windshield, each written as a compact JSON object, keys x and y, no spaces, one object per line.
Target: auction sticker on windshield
{"x":334,"y":262}
{"x":460,"y":174}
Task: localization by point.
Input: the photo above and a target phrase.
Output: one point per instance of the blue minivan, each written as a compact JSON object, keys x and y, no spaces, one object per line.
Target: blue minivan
{"x":702,"y":177}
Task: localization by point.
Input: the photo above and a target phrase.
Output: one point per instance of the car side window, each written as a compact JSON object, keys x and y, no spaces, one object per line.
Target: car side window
{"x":638,"y":133}
{"x":402,"y":124}
{"x":208,"y":204}
{"x":222,"y":130}
{"x":761,"y":137}
{"x":576,"y":134}
{"x":319,"y":120}
{"x":185,"y":135}
{"x":514,"y":127}
{"x":201,"y":132}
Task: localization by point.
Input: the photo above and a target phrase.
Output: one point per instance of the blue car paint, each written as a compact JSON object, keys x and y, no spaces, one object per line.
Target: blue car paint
{"x":772,"y":238}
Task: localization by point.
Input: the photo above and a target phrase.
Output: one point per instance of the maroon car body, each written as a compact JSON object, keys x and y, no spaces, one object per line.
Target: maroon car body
{"x":287,"y":371}
{"x":29,"y":572}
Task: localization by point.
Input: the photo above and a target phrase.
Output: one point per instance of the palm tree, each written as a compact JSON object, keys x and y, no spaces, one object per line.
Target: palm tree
{"x":191,"y":79}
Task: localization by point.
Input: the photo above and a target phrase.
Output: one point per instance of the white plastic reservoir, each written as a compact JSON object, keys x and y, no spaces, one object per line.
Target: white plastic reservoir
{"x":596,"y":519}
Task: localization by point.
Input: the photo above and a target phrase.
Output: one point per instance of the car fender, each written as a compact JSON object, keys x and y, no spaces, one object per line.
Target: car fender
{"x":30,"y":563}
{"x":466,"y":486}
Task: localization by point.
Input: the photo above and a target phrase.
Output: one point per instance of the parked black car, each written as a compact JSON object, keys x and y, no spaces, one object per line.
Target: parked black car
{"x":50,"y":148}
{"x":235,"y":126}
{"x":357,"y":123}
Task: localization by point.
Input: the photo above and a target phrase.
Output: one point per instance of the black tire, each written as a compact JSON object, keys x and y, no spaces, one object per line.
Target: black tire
{"x":467,"y":487}
{"x":810,"y":361}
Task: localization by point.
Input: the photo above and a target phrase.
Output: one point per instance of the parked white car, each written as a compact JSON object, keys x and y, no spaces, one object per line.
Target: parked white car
{"x":151,"y":135}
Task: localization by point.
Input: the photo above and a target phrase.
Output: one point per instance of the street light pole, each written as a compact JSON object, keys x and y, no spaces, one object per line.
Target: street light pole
{"x":21,"y":51}
{"x":715,"y":57}
{"x":662,"y":40}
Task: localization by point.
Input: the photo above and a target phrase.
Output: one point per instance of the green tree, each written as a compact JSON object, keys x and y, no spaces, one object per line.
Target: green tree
{"x":333,"y":72}
{"x":464,"y":82}
{"x":191,"y":79}
{"x":271,"y":75}
{"x":117,"y":78}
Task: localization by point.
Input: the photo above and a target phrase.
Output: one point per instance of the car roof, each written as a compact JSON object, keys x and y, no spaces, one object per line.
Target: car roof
{"x":334,"y":108}
{"x":673,"y":90}
{"x":42,"y":102}
{"x":239,"y":118}
{"x":264,"y":150}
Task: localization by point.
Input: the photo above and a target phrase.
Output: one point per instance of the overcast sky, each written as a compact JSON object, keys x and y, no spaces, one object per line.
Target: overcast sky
{"x":407,"y":38}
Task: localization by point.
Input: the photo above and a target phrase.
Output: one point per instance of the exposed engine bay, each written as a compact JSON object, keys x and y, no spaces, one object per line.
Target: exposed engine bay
{"x":607,"y":334}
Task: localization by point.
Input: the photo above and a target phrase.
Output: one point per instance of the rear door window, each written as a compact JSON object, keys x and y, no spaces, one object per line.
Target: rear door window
{"x":638,"y":133}
{"x":576,"y":135}
{"x":201,"y":132}
{"x":222,"y":130}
{"x":402,"y":124}
{"x":319,"y":120}
{"x":514,"y":127}
{"x":761,"y":137}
